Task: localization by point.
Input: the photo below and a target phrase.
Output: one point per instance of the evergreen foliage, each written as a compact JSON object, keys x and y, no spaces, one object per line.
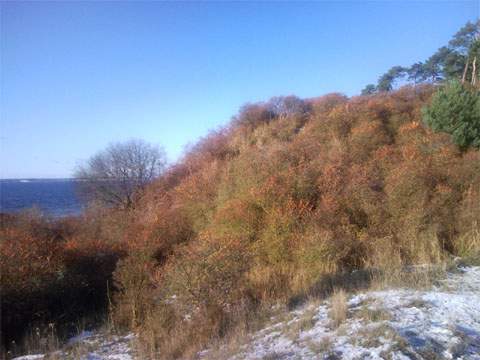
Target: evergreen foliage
{"x":458,"y":60}
{"x":455,"y":109}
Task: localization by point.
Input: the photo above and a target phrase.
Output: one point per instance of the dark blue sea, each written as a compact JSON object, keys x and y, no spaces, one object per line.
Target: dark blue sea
{"x":54,"y":197}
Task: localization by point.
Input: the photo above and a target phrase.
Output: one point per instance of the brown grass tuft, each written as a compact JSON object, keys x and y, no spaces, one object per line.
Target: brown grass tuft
{"x":338,"y":307}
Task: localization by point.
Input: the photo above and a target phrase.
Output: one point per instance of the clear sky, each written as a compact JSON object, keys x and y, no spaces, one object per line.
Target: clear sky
{"x":76,"y":76}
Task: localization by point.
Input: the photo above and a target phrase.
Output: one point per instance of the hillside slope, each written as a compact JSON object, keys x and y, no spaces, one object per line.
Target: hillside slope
{"x":281,"y":205}
{"x":442,"y":322}
{"x":290,"y":194}
{"x":439,"y":323}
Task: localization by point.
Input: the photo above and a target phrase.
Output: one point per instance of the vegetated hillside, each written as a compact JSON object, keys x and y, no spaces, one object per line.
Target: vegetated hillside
{"x":290,"y":194}
{"x":277,"y":206}
{"x":272,"y":208}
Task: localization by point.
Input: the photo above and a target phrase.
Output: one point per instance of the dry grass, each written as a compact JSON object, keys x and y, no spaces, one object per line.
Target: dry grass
{"x":230,"y":345}
{"x":37,"y":340}
{"x":273,"y":356}
{"x":370,"y":336}
{"x":304,"y":323}
{"x":47,"y":340}
{"x":168,"y":334}
{"x":324,"y":346}
{"x":339,"y":307}
{"x":418,"y":303}
{"x":370,"y":314}
{"x":467,"y":246}
{"x":416,"y":277}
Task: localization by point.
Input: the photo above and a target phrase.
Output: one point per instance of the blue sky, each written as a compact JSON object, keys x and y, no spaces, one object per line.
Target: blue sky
{"x":76,"y":76}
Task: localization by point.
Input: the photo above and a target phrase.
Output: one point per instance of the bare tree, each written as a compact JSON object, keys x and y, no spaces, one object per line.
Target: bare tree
{"x":117,"y":174}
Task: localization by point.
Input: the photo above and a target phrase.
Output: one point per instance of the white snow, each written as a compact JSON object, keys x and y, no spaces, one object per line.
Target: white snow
{"x":30,"y":357}
{"x":84,"y":335}
{"x":111,"y":347}
{"x":440,"y":323}
{"x":89,"y":345}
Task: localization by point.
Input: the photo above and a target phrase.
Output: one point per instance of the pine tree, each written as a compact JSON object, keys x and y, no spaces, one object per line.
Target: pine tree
{"x":455,"y":109}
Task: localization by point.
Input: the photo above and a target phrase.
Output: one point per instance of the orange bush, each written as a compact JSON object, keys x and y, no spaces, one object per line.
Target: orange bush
{"x":53,"y":271}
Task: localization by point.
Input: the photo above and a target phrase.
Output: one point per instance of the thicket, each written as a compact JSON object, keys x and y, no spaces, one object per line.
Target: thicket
{"x":268,"y":209}
{"x":55,"y":275}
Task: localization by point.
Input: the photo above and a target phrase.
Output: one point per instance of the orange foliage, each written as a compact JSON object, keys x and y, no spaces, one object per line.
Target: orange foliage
{"x":53,"y":269}
{"x":274,"y":202}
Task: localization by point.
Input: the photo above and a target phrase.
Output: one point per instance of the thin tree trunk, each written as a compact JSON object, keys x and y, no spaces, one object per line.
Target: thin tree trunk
{"x":464,"y":76}
{"x":474,"y":71}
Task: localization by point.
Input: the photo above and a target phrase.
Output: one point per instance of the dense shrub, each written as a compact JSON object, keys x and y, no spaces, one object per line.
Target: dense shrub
{"x":286,"y":198}
{"x":54,"y":272}
{"x":455,"y":109}
{"x":291,"y":195}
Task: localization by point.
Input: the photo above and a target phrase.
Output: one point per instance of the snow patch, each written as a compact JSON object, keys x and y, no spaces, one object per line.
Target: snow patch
{"x":441,"y":323}
{"x":89,"y":345}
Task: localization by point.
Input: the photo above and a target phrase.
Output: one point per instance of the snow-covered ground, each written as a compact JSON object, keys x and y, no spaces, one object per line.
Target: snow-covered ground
{"x":91,"y":346}
{"x":441,"y":323}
